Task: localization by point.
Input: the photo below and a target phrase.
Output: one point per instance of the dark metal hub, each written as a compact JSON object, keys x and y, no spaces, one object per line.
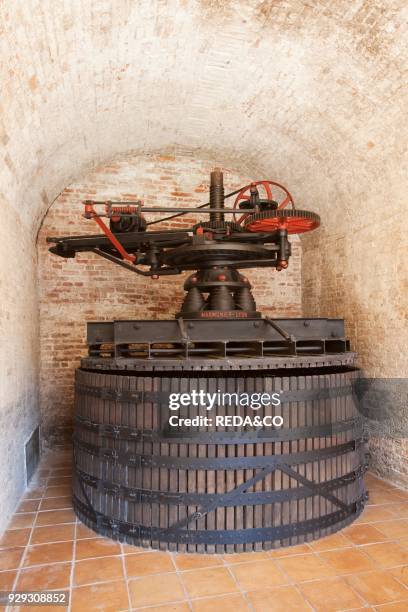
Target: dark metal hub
{"x":218,"y":292}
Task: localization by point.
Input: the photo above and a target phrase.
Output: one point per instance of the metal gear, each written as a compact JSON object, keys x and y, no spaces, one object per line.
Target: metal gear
{"x":294,"y":220}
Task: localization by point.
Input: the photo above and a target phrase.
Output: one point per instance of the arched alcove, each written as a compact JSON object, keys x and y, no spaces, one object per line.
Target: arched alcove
{"x":310,"y":94}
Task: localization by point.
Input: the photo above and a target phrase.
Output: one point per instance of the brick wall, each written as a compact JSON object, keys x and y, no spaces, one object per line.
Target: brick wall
{"x":356,"y":269}
{"x":89,"y":288}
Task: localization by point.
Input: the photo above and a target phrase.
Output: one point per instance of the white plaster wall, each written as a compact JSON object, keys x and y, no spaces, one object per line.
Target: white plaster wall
{"x":19,"y":410}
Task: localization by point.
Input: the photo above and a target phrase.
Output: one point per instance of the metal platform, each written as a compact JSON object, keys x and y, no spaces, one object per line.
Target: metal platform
{"x":122,"y":342}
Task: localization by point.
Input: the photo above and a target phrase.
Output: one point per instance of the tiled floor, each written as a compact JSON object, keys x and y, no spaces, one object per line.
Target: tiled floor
{"x":363,"y":567}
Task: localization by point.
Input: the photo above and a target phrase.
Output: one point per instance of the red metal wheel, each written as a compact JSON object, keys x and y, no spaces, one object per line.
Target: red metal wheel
{"x":266,"y":184}
{"x":293,"y":220}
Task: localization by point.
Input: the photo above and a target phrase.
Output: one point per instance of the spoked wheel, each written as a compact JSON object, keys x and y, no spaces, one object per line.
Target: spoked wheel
{"x":274,"y":192}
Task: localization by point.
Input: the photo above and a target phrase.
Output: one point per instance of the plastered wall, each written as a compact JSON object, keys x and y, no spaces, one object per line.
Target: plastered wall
{"x":19,"y":354}
{"x":89,"y":288}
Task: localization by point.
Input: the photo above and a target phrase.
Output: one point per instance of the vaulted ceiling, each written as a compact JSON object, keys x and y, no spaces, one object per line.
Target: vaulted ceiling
{"x":309,"y":93}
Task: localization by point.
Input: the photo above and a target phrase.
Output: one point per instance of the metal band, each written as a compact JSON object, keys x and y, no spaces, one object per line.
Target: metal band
{"x":209,"y":463}
{"x":171,"y":366}
{"x":118,"y":395}
{"x":162,"y":397}
{"x":122,"y":432}
{"x":116,"y":528}
{"x":198,"y":499}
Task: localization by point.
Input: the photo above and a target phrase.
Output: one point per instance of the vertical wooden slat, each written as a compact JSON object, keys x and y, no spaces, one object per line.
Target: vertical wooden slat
{"x":182,"y":510}
{"x":160,"y":384}
{"x":209,"y":385}
{"x":285,"y":480}
{"x":249,"y":473}
{"x":220,"y":474}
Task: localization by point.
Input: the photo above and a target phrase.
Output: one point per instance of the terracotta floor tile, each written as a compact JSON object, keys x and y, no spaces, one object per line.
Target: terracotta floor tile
{"x":402,"y":494}
{"x":387,"y":554}
{"x":209,"y":581}
{"x":62,"y":471}
{"x":56,"y":576}
{"x":34,"y":493}
{"x":394,"y":529}
{"x":337,"y":540}
{"x":10,"y":558}
{"x":401,"y":573}
{"x":142,"y":564}
{"x":56,"y":503}
{"x":20,"y":521}
{"x":305,"y":567}
{"x":399,"y":510}
{"x":257,"y":575}
{"x":188,"y":561}
{"x":55,"y":517}
{"x":289,"y":551}
{"x":58,"y":491}
{"x":246,"y":557}
{"x":84,"y":532}
{"x":37,"y":608}
{"x":7,"y":580}
{"x":224,"y":603}
{"x":378,"y":485}
{"x":97,"y":547}
{"x":98,"y":570}
{"x":401,"y":606}
{"x":348,"y":561}
{"x":59,"y":464}
{"x":60,"y":480}
{"x":378,"y":587}
{"x":42,"y":554}
{"x":330,"y":594}
{"x":172,"y":607}
{"x":15,"y":537}
{"x":375,"y":513}
{"x":53,"y":533}
{"x":108,"y":596}
{"x":156,"y":589}
{"x":39,"y":481}
{"x":380,"y":497}
{"x":29,"y":505}
{"x":281,"y":599}
{"x":364,"y":534}
{"x":130,"y":549}
{"x":403,"y":542}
